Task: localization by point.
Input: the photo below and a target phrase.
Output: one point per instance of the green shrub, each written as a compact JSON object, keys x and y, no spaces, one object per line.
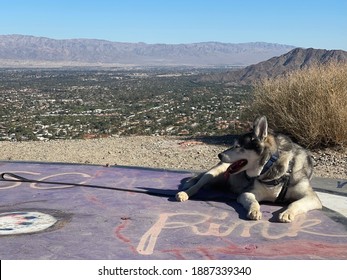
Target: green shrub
{"x":310,"y":104}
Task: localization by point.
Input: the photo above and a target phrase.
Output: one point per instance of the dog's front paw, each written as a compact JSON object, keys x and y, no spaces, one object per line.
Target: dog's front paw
{"x":182,"y":196}
{"x":286,"y":217}
{"x":254,"y":214}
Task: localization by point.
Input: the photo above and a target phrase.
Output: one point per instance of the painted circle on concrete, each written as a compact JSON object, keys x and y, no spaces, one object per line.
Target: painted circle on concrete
{"x":22,"y":222}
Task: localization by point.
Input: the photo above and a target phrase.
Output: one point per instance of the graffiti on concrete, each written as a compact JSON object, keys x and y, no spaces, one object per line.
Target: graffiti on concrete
{"x":139,"y":226}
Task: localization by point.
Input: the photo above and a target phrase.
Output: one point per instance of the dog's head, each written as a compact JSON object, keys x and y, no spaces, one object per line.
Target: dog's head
{"x":247,"y":150}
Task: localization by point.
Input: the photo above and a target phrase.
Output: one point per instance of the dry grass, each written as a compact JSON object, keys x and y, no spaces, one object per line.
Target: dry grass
{"x":310,"y":104}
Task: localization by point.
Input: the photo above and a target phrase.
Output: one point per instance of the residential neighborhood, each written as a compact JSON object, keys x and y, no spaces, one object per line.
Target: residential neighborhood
{"x":46,"y":104}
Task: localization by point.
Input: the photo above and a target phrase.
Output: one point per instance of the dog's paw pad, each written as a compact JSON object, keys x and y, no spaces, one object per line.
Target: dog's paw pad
{"x":254,"y":215}
{"x":182,"y":196}
{"x":286,"y":217}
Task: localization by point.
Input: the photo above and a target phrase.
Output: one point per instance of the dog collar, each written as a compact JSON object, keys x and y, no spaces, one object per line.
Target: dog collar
{"x":274,"y":157}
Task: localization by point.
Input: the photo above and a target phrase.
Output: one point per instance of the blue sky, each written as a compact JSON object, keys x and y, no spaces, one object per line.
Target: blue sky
{"x":302,"y":23}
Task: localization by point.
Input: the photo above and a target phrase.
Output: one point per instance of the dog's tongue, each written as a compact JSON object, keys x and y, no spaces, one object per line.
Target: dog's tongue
{"x":236,"y":166}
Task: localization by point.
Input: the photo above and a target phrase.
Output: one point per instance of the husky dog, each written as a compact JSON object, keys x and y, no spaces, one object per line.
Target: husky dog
{"x":262,"y":166}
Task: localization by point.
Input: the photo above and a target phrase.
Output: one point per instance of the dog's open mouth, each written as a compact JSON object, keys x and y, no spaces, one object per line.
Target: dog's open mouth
{"x":236,"y":166}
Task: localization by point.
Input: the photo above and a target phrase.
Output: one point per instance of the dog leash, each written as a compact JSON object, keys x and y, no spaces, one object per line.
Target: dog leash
{"x":11,"y":177}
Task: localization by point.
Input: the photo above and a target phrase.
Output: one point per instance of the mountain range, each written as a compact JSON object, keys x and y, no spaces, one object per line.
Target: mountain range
{"x":257,"y":60}
{"x":295,"y":59}
{"x":36,"y":51}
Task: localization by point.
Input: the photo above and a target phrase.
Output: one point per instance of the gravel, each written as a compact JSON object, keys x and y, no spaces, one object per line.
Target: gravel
{"x":150,"y":151}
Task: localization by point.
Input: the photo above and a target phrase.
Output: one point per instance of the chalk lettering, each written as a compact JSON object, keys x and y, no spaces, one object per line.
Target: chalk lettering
{"x":222,"y":226}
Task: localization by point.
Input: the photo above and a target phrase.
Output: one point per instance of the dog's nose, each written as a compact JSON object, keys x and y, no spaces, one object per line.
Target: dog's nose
{"x":223,"y":157}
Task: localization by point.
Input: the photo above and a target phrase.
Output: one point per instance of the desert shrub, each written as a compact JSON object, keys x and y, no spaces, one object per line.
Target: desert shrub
{"x":309,"y":104}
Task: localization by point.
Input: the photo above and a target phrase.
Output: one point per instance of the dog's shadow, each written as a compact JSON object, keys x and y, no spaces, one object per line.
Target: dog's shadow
{"x":215,"y":194}
{"x":220,"y":194}
{"x":276,"y":214}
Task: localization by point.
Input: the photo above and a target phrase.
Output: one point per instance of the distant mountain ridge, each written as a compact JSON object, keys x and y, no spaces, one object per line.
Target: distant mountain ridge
{"x":293,"y":60}
{"x":73,"y":51}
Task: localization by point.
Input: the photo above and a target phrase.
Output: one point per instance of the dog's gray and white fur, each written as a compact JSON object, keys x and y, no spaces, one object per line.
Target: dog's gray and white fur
{"x":262,"y":166}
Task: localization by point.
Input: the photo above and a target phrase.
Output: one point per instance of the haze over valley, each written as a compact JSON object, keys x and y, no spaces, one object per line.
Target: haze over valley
{"x":23,"y":51}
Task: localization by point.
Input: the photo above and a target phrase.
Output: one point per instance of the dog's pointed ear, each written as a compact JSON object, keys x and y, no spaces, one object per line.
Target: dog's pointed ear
{"x":260,"y":128}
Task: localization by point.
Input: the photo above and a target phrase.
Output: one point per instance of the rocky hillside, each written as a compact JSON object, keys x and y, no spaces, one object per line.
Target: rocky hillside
{"x":20,"y":49}
{"x":293,"y":60}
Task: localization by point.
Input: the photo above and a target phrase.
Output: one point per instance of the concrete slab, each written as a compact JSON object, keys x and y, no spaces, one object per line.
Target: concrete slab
{"x":333,"y":186}
{"x":334,"y":202}
{"x":39,"y":221}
